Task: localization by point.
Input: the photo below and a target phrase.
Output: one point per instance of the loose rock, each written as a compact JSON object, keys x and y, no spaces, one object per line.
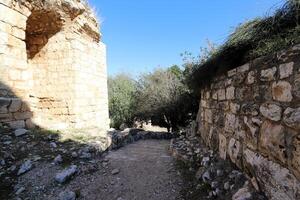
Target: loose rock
{"x":66,"y":174}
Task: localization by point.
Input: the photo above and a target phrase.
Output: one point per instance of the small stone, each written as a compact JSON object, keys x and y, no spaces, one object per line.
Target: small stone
{"x":53,"y":145}
{"x":58,"y":159}
{"x":268,"y":74}
{"x":281,"y":91}
{"x":230,"y":92}
{"x":67,"y":195}
{"x":66,"y":174}
{"x":20,"y":132}
{"x":271,"y":111}
{"x":292,"y":118}
{"x":206,"y":177}
{"x":20,"y":190}
{"x":214,"y":184}
{"x":25,"y":167}
{"x":219,"y":172}
{"x":285,"y":70}
{"x":115,"y":171}
{"x":74,"y":155}
{"x":85,"y":155}
{"x":2,"y":162}
{"x":226,"y":186}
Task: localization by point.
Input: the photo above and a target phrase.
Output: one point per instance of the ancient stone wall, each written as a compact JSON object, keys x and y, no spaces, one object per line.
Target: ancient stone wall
{"x":52,"y":65}
{"x":251,"y":115}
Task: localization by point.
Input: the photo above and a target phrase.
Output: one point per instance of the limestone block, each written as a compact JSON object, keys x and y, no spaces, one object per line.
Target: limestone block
{"x":271,"y":111}
{"x":296,"y":86}
{"x":285,"y":70}
{"x":243,"y":68}
{"x":250,"y":109}
{"x":15,"y":105}
{"x":230,"y":123}
{"x":17,"y":124}
{"x":22,"y":115}
{"x":235,"y":151}
{"x":291,"y":117}
{"x":222,"y":146}
{"x":281,"y":91}
{"x":278,"y":182}
{"x":268,"y":74}
{"x":6,"y":117}
{"x":221,"y":94}
{"x":232,"y":72}
{"x":272,"y":140}
{"x":4,"y":103}
{"x":251,"y":77}
{"x":234,"y":107}
{"x":230,"y":92}
{"x":295,"y":161}
{"x":251,"y":133}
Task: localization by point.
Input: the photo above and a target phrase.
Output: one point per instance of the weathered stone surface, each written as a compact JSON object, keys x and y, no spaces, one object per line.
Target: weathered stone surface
{"x":291,"y":117}
{"x":235,"y":151}
{"x":286,"y":70}
{"x":268,"y":74}
{"x":67,"y":195}
{"x":230,"y":93}
{"x":272,"y":140}
{"x":20,"y":132}
{"x":66,"y":174}
{"x":271,"y":111}
{"x":277,"y":182}
{"x":222,"y":146}
{"x":281,"y":91}
{"x":25,"y":167}
{"x":251,"y":77}
{"x":15,"y":105}
{"x":230,"y":123}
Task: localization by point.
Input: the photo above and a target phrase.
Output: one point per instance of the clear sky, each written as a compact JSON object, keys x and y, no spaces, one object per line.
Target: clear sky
{"x":145,"y":34}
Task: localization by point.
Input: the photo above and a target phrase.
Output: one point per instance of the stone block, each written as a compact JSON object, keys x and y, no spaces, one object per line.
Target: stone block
{"x":243,"y":68}
{"x":296,"y":86}
{"x":291,"y":118}
{"x":271,"y":111}
{"x":22,"y":115}
{"x":17,"y":124}
{"x":278,"y":182}
{"x":251,"y":77}
{"x":286,"y":70}
{"x":252,"y":131}
{"x":235,"y":151}
{"x":16,"y":105}
{"x":4,"y":103}
{"x":272,"y":140}
{"x":281,"y":91}
{"x":222,"y":146}
{"x":230,"y":123}
{"x":268,"y":74}
{"x":230,"y":93}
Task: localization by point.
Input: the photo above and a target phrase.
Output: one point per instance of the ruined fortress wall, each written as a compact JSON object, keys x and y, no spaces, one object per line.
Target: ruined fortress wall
{"x":251,"y":115}
{"x":53,"y":65}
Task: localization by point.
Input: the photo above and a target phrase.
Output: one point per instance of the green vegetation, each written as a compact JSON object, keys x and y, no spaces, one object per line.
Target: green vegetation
{"x":121,"y":92}
{"x":250,"y":40}
{"x":160,"y":96}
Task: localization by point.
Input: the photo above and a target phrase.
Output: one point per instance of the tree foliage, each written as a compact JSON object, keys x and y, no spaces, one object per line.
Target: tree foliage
{"x":121,"y":92}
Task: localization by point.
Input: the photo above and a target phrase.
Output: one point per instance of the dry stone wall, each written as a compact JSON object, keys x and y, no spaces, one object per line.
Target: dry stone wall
{"x":52,"y":65}
{"x":251,"y":115}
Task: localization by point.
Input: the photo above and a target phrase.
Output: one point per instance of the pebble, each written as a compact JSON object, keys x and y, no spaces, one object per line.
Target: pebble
{"x":115,"y":171}
{"x":20,"y":190}
{"x":58,"y":159}
{"x":74,"y":154}
{"x":20,"y":132}
{"x":67,"y":195}
{"x":66,"y":174}
{"x":53,"y":145}
{"x":25,"y":167}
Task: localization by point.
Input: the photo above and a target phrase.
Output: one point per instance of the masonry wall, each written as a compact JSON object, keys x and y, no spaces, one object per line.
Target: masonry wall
{"x":251,"y":115}
{"x":52,"y":65}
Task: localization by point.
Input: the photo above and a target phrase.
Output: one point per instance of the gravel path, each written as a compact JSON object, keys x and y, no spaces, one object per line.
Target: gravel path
{"x":143,"y":170}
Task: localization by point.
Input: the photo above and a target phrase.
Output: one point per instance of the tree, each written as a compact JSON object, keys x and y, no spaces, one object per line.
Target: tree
{"x":121,"y":93}
{"x":161,"y":96}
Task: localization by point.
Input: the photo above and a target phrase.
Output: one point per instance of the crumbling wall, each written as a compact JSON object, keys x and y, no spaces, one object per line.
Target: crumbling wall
{"x":53,"y":62}
{"x":251,"y":115}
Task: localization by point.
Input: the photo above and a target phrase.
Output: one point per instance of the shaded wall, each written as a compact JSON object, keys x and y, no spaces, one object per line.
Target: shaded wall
{"x":251,"y":115}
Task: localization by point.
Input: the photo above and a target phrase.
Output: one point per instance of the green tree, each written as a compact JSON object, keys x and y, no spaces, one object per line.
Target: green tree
{"x":121,"y":93}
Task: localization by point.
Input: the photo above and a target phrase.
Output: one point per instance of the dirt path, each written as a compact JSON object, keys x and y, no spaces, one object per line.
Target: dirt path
{"x":143,"y":170}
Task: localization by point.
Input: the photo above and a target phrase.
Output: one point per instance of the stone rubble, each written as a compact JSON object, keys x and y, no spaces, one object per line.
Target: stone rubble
{"x":66,"y":174}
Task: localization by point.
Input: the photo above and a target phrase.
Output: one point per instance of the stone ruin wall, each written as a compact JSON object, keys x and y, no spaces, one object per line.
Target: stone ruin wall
{"x":251,"y":115}
{"x":52,"y":65}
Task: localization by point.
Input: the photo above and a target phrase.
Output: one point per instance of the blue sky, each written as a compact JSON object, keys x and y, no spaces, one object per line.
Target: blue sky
{"x":142,"y":35}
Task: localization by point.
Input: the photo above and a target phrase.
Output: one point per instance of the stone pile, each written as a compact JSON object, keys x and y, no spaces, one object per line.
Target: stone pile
{"x":213,"y":177}
{"x":122,"y":138}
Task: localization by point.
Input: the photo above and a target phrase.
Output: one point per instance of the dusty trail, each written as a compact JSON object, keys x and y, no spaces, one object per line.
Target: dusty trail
{"x":143,"y":170}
